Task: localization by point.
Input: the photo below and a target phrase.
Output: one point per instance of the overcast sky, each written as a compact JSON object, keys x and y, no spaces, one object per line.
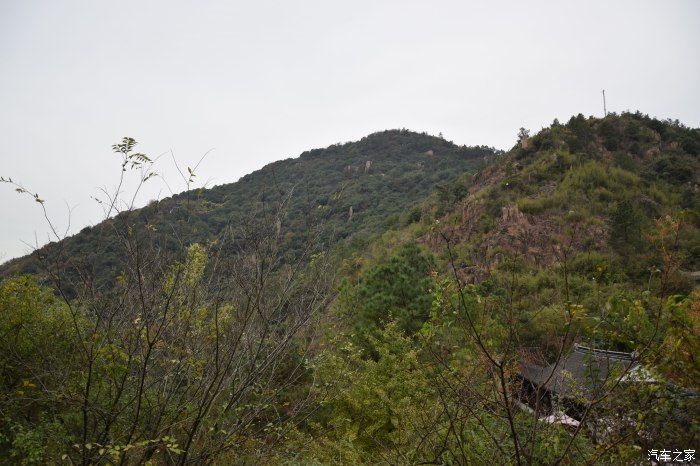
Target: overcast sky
{"x":260,"y":81}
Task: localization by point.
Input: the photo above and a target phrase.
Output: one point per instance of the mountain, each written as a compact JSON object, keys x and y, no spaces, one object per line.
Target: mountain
{"x":461,"y":268}
{"x":351,"y":191}
{"x":599,"y":212}
{"x":583,"y":238}
{"x":596,"y":185}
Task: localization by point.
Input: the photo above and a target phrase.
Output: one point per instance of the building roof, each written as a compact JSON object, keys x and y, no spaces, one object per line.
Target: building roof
{"x":584,"y":372}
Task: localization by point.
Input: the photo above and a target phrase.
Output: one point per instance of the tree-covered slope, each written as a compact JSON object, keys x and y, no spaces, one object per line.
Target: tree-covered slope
{"x":597,"y":185}
{"x":347,"y":190}
{"x":583,"y":234}
{"x":593,"y":211}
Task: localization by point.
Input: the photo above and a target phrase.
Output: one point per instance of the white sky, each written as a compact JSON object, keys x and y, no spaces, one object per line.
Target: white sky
{"x":260,"y":81}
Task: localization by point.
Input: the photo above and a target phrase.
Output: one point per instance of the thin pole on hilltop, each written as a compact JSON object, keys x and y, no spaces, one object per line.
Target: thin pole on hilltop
{"x":605,"y":110}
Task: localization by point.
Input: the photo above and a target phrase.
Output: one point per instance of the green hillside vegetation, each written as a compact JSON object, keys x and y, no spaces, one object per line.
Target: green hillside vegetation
{"x":580,"y":234}
{"x":396,"y":337}
{"x":595,"y":193}
{"x":378,"y":177}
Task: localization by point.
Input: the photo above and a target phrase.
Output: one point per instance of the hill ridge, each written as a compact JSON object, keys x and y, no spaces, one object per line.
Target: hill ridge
{"x":379,"y":176}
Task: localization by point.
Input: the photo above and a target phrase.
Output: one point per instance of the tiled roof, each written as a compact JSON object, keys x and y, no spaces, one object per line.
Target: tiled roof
{"x":581,"y":373}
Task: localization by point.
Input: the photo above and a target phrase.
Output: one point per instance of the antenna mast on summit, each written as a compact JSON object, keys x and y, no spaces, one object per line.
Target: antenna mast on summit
{"x":605,"y":110}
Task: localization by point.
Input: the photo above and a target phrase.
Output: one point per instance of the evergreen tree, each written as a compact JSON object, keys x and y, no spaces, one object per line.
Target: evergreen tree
{"x":625,"y":225}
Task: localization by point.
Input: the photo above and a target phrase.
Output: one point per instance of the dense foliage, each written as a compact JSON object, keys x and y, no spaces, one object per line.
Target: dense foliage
{"x":273,"y":341}
{"x":352,"y":190}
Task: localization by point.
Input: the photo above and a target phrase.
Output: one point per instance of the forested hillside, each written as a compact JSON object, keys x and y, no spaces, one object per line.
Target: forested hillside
{"x":355,"y":189}
{"x":588,"y":234}
{"x":597,"y":186}
{"x":397,"y":300}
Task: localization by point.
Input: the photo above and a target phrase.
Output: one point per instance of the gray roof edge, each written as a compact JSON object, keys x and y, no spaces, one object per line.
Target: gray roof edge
{"x":612,"y":354}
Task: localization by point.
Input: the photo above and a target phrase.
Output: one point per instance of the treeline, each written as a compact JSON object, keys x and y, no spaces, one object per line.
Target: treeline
{"x":378,"y":178}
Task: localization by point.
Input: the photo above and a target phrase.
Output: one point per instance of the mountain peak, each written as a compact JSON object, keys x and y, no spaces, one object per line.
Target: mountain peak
{"x":377,"y":178}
